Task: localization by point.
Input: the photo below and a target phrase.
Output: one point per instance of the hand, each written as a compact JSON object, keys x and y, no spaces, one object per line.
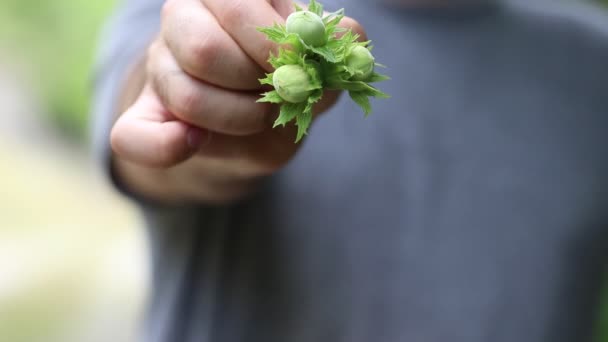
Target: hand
{"x":195,"y":132}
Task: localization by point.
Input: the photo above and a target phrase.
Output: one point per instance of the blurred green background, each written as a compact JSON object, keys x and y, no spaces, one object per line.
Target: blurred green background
{"x":65,"y":238}
{"x":61,"y":248}
{"x":55,"y":40}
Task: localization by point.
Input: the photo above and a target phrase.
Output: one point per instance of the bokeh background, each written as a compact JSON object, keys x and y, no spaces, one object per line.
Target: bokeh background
{"x":73,"y":264}
{"x":72,"y":253}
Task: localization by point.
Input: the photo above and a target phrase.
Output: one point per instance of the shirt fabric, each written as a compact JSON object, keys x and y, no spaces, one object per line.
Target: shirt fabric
{"x":469,"y":207}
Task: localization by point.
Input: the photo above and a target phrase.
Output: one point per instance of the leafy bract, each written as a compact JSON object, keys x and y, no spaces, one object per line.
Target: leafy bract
{"x":325,"y":66}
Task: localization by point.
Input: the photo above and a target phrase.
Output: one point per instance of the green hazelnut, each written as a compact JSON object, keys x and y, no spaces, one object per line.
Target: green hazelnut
{"x":292,"y":83}
{"x":308,"y":26}
{"x":361,"y":61}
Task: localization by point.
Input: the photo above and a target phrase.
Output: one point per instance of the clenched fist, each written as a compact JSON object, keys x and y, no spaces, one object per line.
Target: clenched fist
{"x":191,"y":130}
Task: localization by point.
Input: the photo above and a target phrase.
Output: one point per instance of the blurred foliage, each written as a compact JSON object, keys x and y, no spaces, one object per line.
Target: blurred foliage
{"x":42,"y":313}
{"x":602,"y":323}
{"x":55,"y":41}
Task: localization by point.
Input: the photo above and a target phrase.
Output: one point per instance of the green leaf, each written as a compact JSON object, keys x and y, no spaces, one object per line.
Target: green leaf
{"x":365,"y":44}
{"x":315,"y":8}
{"x":278,"y":34}
{"x":374,"y":92}
{"x":288,"y":112}
{"x":351,"y":72}
{"x":274,"y":33}
{"x":332,"y":19}
{"x":295,"y":42}
{"x":358,"y":86}
{"x":376,"y":77}
{"x":275,"y":61}
{"x":348,"y":85}
{"x":267,"y":79}
{"x":303,"y":121}
{"x":341,"y":46}
{"x":324,"y":64}
{"x":362,"y":100}
{"x":334,"y":51}
{"x":313,"y":98}
{"x":284,"y":57}
{"x":350,"y":38}
{"x":325,"y":52}
{"x":297,"y":7}
{"x":271,"y":96}
{"x":312,"y":69}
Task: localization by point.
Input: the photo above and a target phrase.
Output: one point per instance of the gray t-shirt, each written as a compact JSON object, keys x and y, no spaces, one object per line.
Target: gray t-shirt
{"x":470,"y":207}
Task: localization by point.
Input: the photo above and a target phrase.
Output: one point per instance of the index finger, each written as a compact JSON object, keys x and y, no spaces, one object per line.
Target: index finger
{"x":241,"y":18}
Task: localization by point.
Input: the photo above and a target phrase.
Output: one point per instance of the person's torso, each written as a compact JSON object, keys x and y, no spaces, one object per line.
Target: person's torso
{"x":468,"y":207}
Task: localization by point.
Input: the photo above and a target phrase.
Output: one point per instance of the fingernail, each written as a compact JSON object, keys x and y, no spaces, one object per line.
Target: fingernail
{"x":194,"y":137}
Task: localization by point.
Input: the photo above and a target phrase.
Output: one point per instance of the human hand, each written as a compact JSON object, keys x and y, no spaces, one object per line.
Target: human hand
{"x":195,"y":131}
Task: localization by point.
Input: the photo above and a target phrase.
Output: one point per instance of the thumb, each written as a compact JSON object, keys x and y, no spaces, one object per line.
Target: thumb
{"x":147,"y":134}
{"x":355,"y":26}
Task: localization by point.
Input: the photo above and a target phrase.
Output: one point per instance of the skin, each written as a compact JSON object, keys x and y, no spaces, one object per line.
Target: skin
{"x":188,"y":128}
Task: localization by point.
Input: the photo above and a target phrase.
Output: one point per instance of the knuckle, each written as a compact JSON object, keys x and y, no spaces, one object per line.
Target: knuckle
{"x":153,"y":47}
{"x":186,"y":101}
{"x":202,"y":54}
{"x":160,"y":83}
{"x":168,"y":9}
{"x":152,"y":55}
{"x":156,"y":66}
{"x":232,"y":13}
